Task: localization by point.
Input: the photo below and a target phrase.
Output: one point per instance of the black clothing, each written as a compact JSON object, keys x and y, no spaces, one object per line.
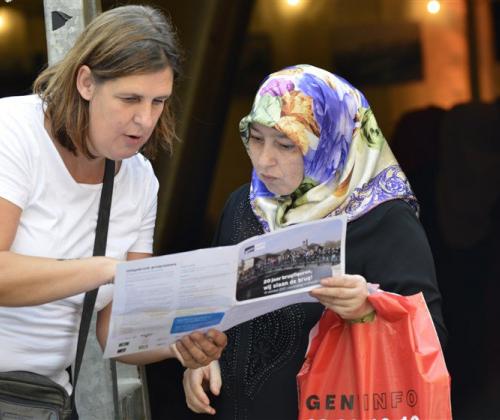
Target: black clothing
{"x":259,"y":366}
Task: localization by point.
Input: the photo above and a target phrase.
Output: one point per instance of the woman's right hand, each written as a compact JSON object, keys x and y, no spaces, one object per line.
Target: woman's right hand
{"x":346,"y":295}
{"x":196,"y":382}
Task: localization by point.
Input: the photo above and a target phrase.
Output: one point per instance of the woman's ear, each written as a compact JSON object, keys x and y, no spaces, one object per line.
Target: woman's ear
{"x":85,"y":82}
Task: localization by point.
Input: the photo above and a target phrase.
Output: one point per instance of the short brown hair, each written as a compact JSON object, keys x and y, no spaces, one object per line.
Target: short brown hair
{"x":120,"y":42}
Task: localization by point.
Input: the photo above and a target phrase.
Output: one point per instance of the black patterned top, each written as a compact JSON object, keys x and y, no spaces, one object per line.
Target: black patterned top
{"x":259,"y":366}
{"x":263,"y":356}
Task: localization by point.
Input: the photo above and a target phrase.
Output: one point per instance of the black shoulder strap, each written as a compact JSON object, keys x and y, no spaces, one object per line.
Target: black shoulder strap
{"x":101,"y":236}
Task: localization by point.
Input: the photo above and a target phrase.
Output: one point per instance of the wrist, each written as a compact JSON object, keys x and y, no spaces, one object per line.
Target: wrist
{"x":89,"y":272}
{"x":175,"y":353}
{"x":365,"y":313}
{"x":369,"y":317}
{"x":105,"y":269}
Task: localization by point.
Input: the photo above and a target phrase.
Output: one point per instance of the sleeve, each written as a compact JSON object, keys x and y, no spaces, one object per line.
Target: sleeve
{"x":225,"y":226}
{"x":144,"y":242}
{"x":400,"y":260}
{"x":16,"y":180}
{"x":222,"y":228}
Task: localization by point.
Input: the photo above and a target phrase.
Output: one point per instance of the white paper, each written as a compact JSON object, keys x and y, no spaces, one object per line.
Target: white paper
{"x":158,"y":300}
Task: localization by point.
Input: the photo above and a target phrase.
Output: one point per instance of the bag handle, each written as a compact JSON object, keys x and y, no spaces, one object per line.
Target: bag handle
{"x":101,"y":236}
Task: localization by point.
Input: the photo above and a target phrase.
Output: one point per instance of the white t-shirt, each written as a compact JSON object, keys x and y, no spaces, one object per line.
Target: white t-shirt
{"x":58,"y":220}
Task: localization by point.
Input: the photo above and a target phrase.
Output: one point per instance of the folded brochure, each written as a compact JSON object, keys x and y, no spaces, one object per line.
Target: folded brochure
{"x":157,"y":300}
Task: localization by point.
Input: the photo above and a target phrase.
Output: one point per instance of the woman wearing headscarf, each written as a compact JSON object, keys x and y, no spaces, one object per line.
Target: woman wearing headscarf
{"x":316,"y":152}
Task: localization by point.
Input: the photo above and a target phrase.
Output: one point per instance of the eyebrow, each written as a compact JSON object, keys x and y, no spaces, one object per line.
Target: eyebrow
{"x":162,"y":97}
{"x":280,"y":134}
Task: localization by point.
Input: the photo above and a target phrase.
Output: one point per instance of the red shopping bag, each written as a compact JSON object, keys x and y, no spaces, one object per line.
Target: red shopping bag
{"x":389,"y":369}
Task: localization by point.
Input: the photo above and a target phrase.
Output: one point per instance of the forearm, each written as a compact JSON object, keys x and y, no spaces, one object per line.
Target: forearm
{"x":27,"y":281}
{"x":193,"y":350}
{"x":142,"y":358}
{"x":146,"y":357}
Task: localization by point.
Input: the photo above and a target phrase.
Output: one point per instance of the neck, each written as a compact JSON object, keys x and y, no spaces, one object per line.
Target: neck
{"x":82,"y":169}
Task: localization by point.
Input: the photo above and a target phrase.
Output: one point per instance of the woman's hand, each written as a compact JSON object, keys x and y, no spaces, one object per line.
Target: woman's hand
{"x":346,"y":295}
{"x":196,"y":382}
{"x":198,"y":349}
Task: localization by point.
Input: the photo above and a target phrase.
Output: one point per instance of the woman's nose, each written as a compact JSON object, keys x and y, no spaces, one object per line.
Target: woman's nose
{"x":267,"y":156}
{"x":144,"y":115}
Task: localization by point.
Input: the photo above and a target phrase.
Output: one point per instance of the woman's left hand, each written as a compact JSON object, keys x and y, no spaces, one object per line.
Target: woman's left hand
{"x":346,"y":295}
{"x":199,"y":349}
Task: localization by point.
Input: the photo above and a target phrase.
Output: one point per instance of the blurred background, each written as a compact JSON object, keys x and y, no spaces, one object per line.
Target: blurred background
{"x":431,"y":72}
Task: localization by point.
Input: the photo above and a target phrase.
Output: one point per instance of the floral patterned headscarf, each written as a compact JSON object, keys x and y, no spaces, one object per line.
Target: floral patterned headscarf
{"x":348,"y":166}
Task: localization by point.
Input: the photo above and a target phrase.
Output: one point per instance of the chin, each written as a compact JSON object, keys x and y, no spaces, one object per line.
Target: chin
{"x":276,"y":192}
{"x":124,"y":154}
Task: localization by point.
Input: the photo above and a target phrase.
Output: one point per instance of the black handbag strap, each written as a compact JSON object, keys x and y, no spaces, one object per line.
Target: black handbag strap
{"x":101,"y":236}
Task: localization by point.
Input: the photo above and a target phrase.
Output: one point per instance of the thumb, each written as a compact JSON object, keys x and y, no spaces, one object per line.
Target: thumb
{"x":177,"y":354}
{"x":215,"y":377}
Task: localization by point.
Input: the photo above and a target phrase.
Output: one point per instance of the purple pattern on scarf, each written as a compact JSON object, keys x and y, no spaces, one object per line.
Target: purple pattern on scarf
{"x":335,"y":118}
{"x":277,"y":87}
{"x":385,"y":186}
{"x":258,"y":188}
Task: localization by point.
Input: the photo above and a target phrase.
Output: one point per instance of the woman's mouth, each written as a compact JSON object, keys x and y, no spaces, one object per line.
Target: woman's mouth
{"x":133,"y":138}
{"x":267,"y":178}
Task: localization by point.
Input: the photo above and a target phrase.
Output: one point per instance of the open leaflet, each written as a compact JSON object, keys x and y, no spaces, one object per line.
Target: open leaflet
{"x":157,"y":300}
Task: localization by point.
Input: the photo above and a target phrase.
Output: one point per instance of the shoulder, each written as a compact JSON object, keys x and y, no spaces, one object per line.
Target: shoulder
{"x":237,"y":204}
{"x":21,"y":125}
{"x":387,"y":216}
{"x":18,"y":108}
{"x":138,"y":169}
{"x":389,"y":246}
{"x":137,"y":180}
{"x":237,"y":221}
{"x":139,"y":164}
{"x":391,"y":208}
{"x":21,"y":117}
{"x":388,"y":238}
{"x":392,"y":228}
{"x":239,"y":195}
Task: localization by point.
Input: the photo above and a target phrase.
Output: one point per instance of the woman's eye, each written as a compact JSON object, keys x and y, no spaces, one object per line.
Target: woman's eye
{"x":286,"y":146}
{"x":129,"y":99}
{"x":257,"y":140}
{"x":158,"y":101}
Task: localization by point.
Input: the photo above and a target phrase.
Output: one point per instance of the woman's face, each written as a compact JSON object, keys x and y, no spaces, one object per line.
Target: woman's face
{"x":277,"y":160}
{"x":123,"y":112}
